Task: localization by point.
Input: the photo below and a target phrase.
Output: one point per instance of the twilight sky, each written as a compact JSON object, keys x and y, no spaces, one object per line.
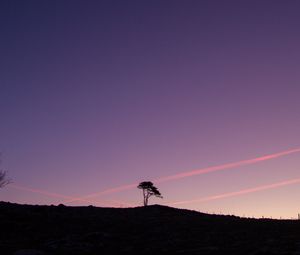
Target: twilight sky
{"x":95,"y":95}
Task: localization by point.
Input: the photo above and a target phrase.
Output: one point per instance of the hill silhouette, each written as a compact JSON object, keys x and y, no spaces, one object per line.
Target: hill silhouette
{"x":35,"y":229}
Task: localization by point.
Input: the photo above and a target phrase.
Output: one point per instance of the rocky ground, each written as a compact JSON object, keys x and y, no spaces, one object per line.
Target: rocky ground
{"x":62,"y":230}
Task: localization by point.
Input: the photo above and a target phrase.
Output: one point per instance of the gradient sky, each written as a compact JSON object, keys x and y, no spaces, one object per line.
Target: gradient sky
{"x":95,"y":95}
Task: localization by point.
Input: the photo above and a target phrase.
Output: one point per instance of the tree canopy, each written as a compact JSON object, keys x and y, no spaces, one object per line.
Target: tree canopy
{"x":148,"y":190}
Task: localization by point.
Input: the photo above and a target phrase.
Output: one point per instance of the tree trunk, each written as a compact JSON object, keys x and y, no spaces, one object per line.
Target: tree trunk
{"x":145,"y":198}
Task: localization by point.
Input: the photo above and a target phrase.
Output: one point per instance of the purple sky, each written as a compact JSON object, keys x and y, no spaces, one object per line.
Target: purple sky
{"x":99,"y":94}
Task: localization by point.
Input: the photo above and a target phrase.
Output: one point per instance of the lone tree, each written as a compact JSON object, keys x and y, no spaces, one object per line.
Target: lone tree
{"x":3,"y":180}
{"x":149,"y":190}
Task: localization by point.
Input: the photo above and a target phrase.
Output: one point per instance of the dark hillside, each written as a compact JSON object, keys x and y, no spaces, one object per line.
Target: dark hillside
{"x":147,"y":230}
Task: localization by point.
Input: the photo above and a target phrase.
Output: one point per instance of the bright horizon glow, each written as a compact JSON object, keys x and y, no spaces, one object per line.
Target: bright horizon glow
{"x":200,"y":200}
{"x":240,"y":192}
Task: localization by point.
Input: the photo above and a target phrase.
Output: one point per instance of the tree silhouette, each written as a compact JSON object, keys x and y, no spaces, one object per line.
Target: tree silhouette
{"x":3,"y":180}
{"x":148,"y":190}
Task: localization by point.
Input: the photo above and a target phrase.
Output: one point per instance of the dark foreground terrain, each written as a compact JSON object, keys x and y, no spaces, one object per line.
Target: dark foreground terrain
{"x":28,"y":229}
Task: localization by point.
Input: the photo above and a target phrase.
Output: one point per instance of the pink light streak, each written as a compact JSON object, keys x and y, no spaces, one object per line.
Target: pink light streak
{"x":52,"y":194}
{"x":107,"y":191}
{"x":186,"y":174}
{"x":43,"y":192}
{"x":225,"y":166}
{"x":240,"y":192}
